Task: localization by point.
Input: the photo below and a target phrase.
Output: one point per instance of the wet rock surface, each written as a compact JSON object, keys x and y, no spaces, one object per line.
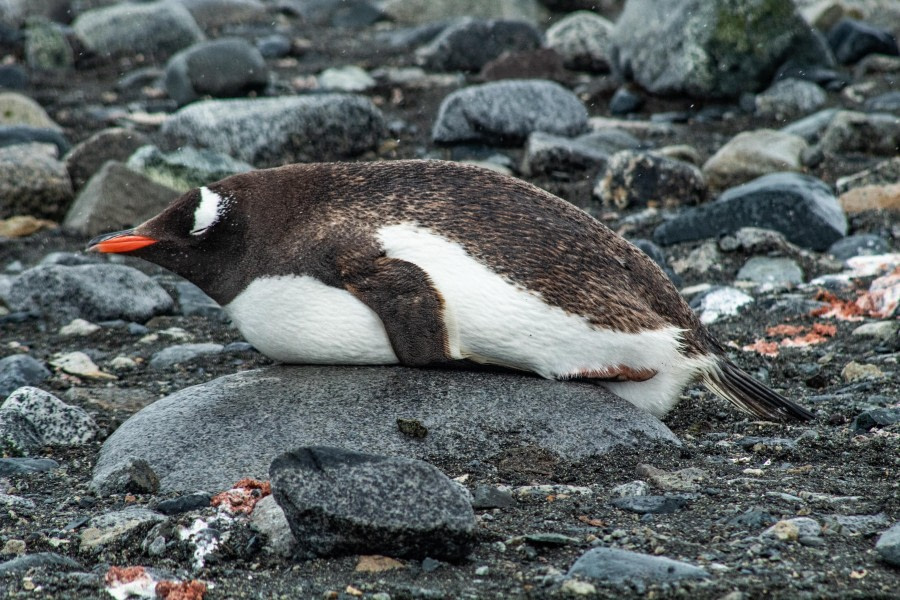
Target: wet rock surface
{"x":753,"y":509}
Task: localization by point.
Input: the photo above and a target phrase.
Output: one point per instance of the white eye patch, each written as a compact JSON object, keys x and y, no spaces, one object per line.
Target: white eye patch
{"x":208,"y":211}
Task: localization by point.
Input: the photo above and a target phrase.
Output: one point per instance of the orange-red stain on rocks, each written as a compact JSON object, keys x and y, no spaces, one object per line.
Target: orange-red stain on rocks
{"x":120,"y":575}
{"x":243,"y":496}
{"x":181,"y":590}
{"x":801,"y":336}
{"x":879,"y":301}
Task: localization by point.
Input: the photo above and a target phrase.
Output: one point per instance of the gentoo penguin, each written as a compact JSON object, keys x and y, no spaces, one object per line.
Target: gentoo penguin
{"x":431,"y":262}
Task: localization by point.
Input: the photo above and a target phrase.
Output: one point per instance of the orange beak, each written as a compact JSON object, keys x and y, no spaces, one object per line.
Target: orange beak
{"x":119,"y":241}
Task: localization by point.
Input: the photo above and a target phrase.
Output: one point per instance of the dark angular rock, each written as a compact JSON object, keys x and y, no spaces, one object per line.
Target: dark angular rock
{"x":546,"y":153}
{"x":803,"y":208}
{"x":851,"y":40}
{"x":18,"y":437}
{"x":487,"y":496}
{"x":635,"y":178}
{"x":625,"y":101}
{"x":86,"y":158}
{"x":469,"y":44}
{"x":184,"y":504}
{"x":877,"y":417}
{"x":93,"y":292}
{"x":20,"y":370}
{"x":655,"y":505}
{"x":13,"y":77}
{"x":752,"y":520}
{"x":274,"y":46}
{"x":618,"y":566}
{"x":888,"y":546}
{"x":341,"y":502}
{"x":865,"y":244}
{"x":222,"y":68}
{"x":183,"y":436}
{"x":507,"y":112}
{"x":134,"y":476}
{"x":24,"y":134}
{"x":24,"y":466}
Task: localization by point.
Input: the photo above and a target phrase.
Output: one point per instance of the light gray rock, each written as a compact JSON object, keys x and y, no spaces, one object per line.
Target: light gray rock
{"x":872,"y":133}
{"x":618,"y":566}
{"x":427,"y":11}
{"x":802,"y":208}
{"x":882,"y":330}
{"x":20,"y":370}
{"x":631,"y":489}
{"x":86,"y":158}
{"x":582,"y":39}
{"x":185,"y":168}
{"x":348,"y":78}
{"x":888,"y":545}
{"x":719,"y":302}
{"x":507,"y":112}
{"x":194,"y":302}
{"x":634,"y":179}
{"x":213,"y":14}
{"x":96,"y":293}
{"x":182,"y":353}
{"x":275,"y":131}
{"x":222,"y":68}
{"x":789,"y":97}
{"x":46,"y":46}
{"x":33,"y":182}
{"x":700,"y":47}
{"x":752,"y":154}
{"x":57,"y":423}
{"x":791,"y":530}
{"x":154,"y":28}
{"x":468,"y":44}
{"x":341,"y":502}
{"x":467,"y":415}
{"x":116,"y":197}
{"x":117,"y":527}
{"x":772,"y":272}
{"x":49,"y":560}
{"x":17,"y":435}
{"x":16,"y":12}
{"x":268,"y":519}
{"x":810,"y":128}
{"x":18,"y":109}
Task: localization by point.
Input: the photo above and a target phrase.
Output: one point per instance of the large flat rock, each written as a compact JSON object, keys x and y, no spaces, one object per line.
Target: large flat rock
{"x":211,"y":435}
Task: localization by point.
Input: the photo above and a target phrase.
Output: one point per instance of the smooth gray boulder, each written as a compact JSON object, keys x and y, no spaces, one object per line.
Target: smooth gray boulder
{"x":617,"y":566}
{"x":223,"y":68}
{"x":211,"y":435}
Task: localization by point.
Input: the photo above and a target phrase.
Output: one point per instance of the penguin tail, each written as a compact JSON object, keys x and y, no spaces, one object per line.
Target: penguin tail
{"x":726,"y":380}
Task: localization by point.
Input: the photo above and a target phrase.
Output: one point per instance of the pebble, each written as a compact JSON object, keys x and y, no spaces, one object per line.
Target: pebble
{"x":751,"y":519}
{"x":186,"y":167}
{"x":214,"y":14}
{"x":275,"y":131}
{"x":487,"y":496}
{"x":507,"y":112}
{"x":682,"y":480}
{"x":98,"y":292}
{"x":810,"y":128}
{"x":78,"y":327}
{"x":222,"y":68}
{"x":367,"y":504}
{"x":87,"y":157}
{"x":876,"y":417}
{"x":779,"y":273}
{"x":871,"y":198}
{"x":850,"y":131}
{"x":117,"y":527}
{"x":122,"y":363}
{"x":856,"y":525}
{"x":20,"y":370}
{"x":631,"y":489}
{"x":791,"y":530}
{"x":310,"y":405}
{"x":617,"y":566}
{"x":195,"y":501}
{"x":801,"y":207}
{"x":153,"y":28}
{"x":33,"y":182}
{"x":268,"y":518}
{"x":626,"y":101}
{"x":348,"y":78}
{"x":751,"y":154}
{"x":852,"y":40}
{"x":25,"y":466}
{"x":854,"y":371}
{"x":46,"y":47}
{"x":882,"y":330}
{"x":468,"y":44}
{"x":582,"y":39}
{"x":719,"y":302}
{"x":656,"y":505}
{"x":635,"y":179}
{"x":274,"y":46}
{"x":182,"y":353}
{"x":858,"y":245}
{"x":19,"y":109}
{"x":79,"y":364}
{"x":132,"y":476}
{"x":887,"y":546}
{"x":789,"y":97}
{"x":56,"y":422}
{"x":695,"y":52}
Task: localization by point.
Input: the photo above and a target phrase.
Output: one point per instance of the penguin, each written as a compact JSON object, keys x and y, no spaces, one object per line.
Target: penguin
{"x":425,"y":263}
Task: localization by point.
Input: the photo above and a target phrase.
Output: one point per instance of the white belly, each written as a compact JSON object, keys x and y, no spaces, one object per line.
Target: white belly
{"x":298,"y":319}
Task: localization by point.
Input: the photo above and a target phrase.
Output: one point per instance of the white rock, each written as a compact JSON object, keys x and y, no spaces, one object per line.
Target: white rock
{"x":79,"y":327}
{"x":723,"y":302}
{"x":79,"y":363}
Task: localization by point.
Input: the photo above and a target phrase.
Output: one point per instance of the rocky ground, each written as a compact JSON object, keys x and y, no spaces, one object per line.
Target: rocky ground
{"x":799,"y":280}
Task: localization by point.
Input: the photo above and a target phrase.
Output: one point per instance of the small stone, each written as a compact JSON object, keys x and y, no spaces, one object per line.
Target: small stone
{"x":182,"y":353}
{"x":115,"y":144}
{"x":187,"y":503}
{"x":790,"y":530}
{"x":18,"y":109}
{"x":683,"y":480}
{"x":80,"y":364}
{"x":46,"y":46}
{"x":887,"y":546}
{"x":20,"y":370}
{"x":367,"y":504}
{"x":858,"y":245}
{"x":546,"y":153}
{"x":488,"y":496}
{"x":348,"y":78}
{"x":582,"y":39}
{"x":619,"y":566}
{"x":78,"y":327}
{"x":877,"y":417}
{"x":56,"y":422}
{"x":482,"y":570}
{"x":772,"y":273}
{"x":116,"y":527}
{"x":122,"y":363}
{"x":851,"y":40}
{"x":882,"y":330}
{"x":789,"y":97}
{"x":855,"y":371}
{"x":871,"y":197}
{"x":630,"y":489}
{"x":872,"y":133}
{"x":811,"y":127}
{"x":268,"y":518}
{"x":752,"y":519}
{"x":274,"y":46}
{"x":577,"y":588}
{"x":719,"y":302}
{"x":428,"y":11}
{"x":134,"y":476}
{"x":635,"y":179}
{"x":751,"y":154}
{"x":377,"y":564}
{"x":657,"y":505}
{"x":221,"y":68}
{"x":625,"y":101}
{"x":33,"y":182}
{"x":13,"y":546}
{"x":48,"y":560}
{"x":885,"y":173}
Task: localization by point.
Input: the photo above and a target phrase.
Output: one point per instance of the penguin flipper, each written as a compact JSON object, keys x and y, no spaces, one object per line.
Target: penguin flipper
{"x":409,"y":306}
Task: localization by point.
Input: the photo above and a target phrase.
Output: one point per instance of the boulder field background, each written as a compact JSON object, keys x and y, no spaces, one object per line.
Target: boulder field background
{"x":750,"y":147}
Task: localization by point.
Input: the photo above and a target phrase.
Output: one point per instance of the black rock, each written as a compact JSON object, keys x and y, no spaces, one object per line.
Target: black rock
{"x":878,"y":417}
{"x":184,"y":504}
{"x":19,"y":370}
{"x":13,"y":77}
{"x":134,"y":475}
{"x":23,"y":134}
{"x":49,"y":560}
{"x":274,"y":46}
{"x":487,"y":496}
{"x":619,"y":566}
{"x":656,"y":505}
{"x":339,"y":502}
{"x":751,"y":520}
{"x":801,"y":207}
{"x":851,"y":40}
{"x":24,"y":466}
{"x":469,"y":44}
{"x":625,"y":101}
{"x":222,"y":68}
{"x":865,"y":244}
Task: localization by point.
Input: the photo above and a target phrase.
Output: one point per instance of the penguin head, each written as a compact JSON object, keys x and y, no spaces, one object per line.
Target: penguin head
{"x":195,"y":236}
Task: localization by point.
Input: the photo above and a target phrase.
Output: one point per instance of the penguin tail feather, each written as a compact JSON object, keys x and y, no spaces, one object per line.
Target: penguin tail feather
{"x":725,"y":379}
